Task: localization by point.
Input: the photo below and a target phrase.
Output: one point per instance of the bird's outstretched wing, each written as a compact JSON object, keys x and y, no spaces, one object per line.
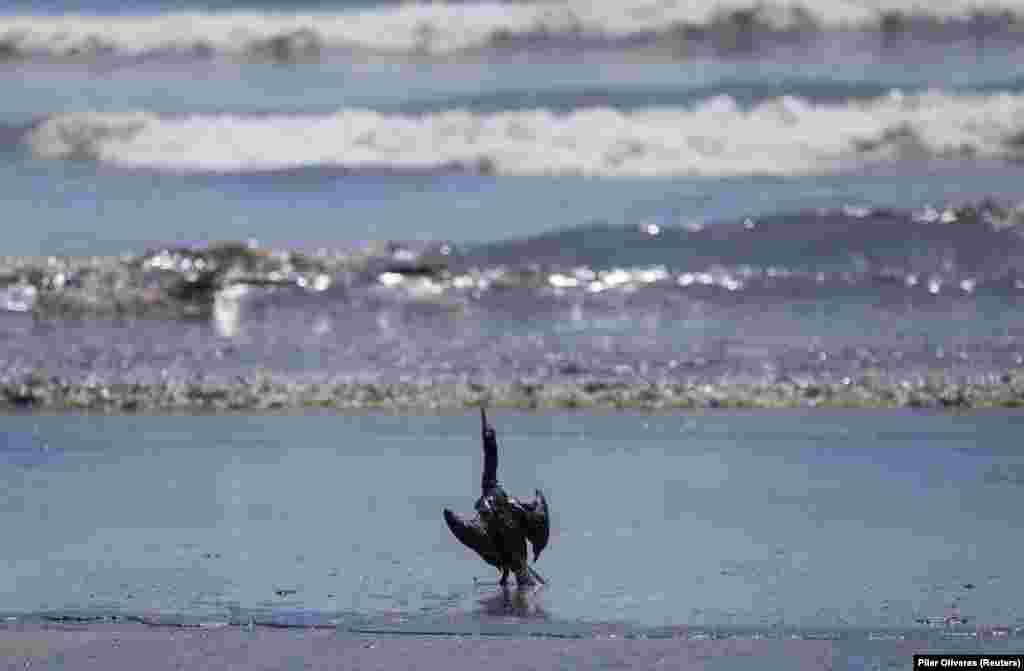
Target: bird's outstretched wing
{"x":472,"y":534}
{"x":538,"y":523}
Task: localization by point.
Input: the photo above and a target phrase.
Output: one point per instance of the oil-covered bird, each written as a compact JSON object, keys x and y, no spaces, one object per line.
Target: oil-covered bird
{"x":503,"y":524}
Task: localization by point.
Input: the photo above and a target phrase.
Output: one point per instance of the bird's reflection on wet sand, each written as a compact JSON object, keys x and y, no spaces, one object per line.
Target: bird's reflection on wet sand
{"x":525,"y":603}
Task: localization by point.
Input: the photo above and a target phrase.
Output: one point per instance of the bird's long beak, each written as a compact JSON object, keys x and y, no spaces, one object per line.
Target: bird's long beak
{"x":483,"y":418}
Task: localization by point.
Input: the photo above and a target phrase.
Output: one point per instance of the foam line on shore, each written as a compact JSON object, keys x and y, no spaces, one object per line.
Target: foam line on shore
{"x":263,"y":394}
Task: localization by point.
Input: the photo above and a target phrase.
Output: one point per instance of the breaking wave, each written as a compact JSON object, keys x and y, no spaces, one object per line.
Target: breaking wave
{"x":717,"y":137}
{"x":439,"y":28}
{"x":928,"y":254}
{"x":856,"y":305}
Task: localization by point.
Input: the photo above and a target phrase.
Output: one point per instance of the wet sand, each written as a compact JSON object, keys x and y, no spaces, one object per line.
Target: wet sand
{"x":126,"y":646}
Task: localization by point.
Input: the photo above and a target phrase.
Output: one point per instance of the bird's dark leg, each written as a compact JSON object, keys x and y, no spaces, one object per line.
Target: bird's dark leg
{"x":504,"y":577}
{"x":524,"y":578}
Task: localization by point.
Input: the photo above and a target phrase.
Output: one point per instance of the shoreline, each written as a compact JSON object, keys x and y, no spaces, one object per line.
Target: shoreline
{"x":124,"y":646}
{"x":117,"y":646}
{"x":264,"y":393}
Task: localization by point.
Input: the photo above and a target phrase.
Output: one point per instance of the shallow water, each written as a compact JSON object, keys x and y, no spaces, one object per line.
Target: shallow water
{"x":764,"y":522}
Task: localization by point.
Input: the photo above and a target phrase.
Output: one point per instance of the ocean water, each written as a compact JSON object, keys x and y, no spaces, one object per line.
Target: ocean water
{"x":485,"y":193}
{"x":752,"y":195}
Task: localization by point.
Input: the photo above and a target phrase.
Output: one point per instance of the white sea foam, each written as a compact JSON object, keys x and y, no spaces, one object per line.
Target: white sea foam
{"x":439,"y":27}
{"x":716,"y":137}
